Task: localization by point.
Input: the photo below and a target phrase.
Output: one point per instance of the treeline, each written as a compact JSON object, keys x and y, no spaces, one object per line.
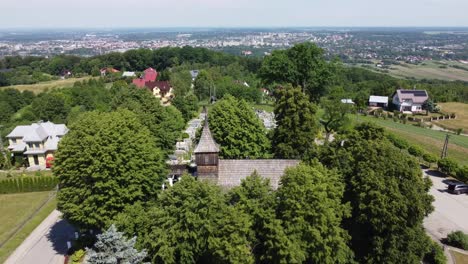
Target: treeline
{"x":28,"y":184}
{"x":26,"y":70}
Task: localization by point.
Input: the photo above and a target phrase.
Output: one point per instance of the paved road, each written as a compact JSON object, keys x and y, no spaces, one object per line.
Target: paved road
{"x":451,"y":211}
{"x":46,"y":244}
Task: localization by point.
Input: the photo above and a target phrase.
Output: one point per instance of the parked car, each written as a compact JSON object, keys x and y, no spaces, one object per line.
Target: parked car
{"x":458,"y":188}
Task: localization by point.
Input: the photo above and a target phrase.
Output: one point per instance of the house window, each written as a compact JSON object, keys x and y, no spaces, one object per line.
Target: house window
{"x":36,"y":160}
{"x":13,"y":140}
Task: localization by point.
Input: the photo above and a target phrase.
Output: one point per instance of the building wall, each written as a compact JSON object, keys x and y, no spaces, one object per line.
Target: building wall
{"x":41,"y":157}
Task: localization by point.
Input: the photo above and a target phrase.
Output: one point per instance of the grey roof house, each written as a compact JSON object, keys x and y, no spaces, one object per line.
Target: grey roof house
{"x":37,"y":142}
{"x":409,"y":100}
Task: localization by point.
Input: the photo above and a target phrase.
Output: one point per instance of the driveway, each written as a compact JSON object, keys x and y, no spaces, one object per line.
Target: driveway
{"x":450,"y":211}
{"x":47,"y":244}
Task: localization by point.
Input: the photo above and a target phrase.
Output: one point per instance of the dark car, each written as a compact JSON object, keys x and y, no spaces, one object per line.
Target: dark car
{"x":458,"y":188}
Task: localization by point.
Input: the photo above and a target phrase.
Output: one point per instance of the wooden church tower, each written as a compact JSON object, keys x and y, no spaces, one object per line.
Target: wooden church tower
{"x":207,"y":156}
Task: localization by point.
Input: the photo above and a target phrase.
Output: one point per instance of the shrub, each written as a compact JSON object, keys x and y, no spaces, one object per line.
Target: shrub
{"x":398,"y":141}
{"x":435,"y":255}
{"x":457,"y":239}
{"x":415,"y":151}
{"x":447,"y":166}
{"x":462,"y":173}
{"x":459,"y":131}
{"x":429,"y":158}
{"x":78,"y":256}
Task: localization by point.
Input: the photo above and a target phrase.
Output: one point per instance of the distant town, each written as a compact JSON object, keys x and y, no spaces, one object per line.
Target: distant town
{"x":352,"y":45}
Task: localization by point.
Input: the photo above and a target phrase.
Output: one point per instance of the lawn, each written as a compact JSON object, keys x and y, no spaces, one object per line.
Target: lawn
{"x":430,"y":140}
{"x":458,"y":257}
{"x":15,"y":209}
{"x":461,"y":110}
{"x":266,"y":107}
{"x":45,"y":86}
{"x":441,"y":70}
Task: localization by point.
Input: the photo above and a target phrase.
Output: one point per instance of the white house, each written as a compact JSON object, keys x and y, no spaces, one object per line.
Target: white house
{"x":378,"y":101}
{"x":347,"y":101}
{"x":409,"y":100}
{"x":38,"y":142}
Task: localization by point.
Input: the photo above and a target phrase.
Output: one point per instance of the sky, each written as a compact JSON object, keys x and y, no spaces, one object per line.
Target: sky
{"x":232,"y":13}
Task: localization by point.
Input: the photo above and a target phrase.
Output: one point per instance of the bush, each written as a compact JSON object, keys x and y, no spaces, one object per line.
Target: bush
{"x":28,"y":184}
{"x":447,"y":166}
{"x":398,"y":141}
{"x":435,"y":255}
{"x":459,"y":131}
{"x":78,"y":256}
{"x":415,"y":151}
{"x":462,"y":173}
{"x":429,"y":158}
{"x":457,"y":239}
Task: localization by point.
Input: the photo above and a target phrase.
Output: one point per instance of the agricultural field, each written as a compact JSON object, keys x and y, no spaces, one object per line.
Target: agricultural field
{"x":431,"y":141}
{"x":46,"y":86}
{"x":461,"y":110}
{"x":442,"y":70}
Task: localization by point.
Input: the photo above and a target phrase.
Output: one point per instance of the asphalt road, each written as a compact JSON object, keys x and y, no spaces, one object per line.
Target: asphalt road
{"x":47,"y":244}
{"x":450,"y":211}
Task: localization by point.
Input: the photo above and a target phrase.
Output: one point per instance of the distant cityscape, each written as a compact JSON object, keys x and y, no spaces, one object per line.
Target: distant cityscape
{"x":350,"y":45}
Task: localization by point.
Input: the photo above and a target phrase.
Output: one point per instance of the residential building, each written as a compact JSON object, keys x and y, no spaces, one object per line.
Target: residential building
{"x":37,"y":142}
{"x":409,"y":100}
{"x":162,"y":90}
{"x":149,"y":75}
{"x":378,"y":101}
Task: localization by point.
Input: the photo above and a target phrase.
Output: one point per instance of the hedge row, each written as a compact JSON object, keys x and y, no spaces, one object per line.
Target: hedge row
{"x":28,"y":184}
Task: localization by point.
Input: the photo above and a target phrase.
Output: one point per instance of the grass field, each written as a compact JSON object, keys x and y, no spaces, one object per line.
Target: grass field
{"x":7,"y":213}
{"x":429,"y":70}
{"x":458,"y":257}
{"x":430,"y":140}
{"x":461,"y":110}
{"x":43,"y":86}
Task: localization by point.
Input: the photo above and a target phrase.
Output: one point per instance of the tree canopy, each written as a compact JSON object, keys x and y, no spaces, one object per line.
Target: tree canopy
{"x":296,"y":124}
{"x":238,"y":130}
{"x":105,"y":162}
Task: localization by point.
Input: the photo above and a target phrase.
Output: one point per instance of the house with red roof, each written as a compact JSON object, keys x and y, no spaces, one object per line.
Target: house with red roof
{"x":149,"y":75}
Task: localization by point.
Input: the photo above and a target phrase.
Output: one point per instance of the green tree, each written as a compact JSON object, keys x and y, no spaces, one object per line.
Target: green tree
{"x":105,"y":162}
{"x":309,"y":205}
{"x":190,"y":223}
{"x":203,"y":85}
{"x":335,"y":116}
{"x":256,"y":198}
{"x":296,"y":124}
{"x":187,"y":105}
{"x":238,"y":130}
{"x":303,"y":65}
{"x":387,"y":193}
{"x":164,"y":123}
{"x":51,"y":107}
{"x":112,"y":247}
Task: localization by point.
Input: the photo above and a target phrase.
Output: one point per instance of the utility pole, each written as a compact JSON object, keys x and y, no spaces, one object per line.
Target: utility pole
{"x":445,"y":148}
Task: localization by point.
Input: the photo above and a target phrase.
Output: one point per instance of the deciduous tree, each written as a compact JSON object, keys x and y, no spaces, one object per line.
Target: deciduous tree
{"x":105,"y":162}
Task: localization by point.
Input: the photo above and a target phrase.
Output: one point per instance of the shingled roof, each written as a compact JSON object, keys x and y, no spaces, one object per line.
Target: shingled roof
{"x":206,"y":143}
{"x":232,"y":172}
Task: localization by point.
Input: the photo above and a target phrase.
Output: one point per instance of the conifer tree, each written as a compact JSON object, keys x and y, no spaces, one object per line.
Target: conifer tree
{"x":112,"y":247}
